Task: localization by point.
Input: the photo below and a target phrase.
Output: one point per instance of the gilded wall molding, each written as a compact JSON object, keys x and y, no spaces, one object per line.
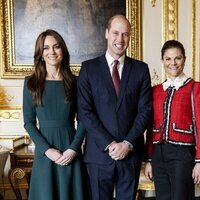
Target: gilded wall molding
{"x":134,"y":15}
{"x":153,"y":3}
{"x":169,"y":23}
{"x":10,"y":96}
{"x":193,"y":39}
{"x":5,"y":98}
{"x":12,"y":113}
{"x":155,"y":79}
{"x":170,"y":19}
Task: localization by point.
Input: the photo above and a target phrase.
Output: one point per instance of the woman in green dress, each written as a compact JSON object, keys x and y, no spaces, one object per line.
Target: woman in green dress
{"x":49,"y":109}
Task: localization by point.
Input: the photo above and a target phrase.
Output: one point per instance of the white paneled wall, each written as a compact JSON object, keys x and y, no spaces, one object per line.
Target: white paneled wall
{"x":152,"y":36}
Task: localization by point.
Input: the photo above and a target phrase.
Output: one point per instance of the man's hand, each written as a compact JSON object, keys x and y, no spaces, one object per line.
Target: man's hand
{"x":118,"y":151}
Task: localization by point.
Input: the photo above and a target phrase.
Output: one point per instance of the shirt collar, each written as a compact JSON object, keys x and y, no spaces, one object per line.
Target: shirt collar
{"x":110,"y":59}
{"x":177,"y":82}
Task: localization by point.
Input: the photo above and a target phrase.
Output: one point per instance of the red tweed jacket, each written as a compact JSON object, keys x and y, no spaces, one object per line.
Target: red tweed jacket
{"x":172,"y":117}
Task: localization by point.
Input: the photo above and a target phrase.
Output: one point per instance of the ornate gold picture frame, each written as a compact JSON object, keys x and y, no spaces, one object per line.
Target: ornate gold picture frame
{"x":17,"y":38}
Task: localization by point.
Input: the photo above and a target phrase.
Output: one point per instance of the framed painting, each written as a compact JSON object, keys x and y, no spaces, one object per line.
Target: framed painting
{"x":81,"y":23}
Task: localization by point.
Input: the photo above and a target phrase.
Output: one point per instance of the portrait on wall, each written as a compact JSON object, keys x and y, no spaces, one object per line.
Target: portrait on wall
{"x":80,"y":22}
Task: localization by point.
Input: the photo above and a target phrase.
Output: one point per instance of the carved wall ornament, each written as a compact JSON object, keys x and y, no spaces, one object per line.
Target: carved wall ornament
{"x":155,"y":79}
{"x":170,"y":20}
{"x":153,"y":3}
{"x":10,"y":114}
{"x":5,"y":98}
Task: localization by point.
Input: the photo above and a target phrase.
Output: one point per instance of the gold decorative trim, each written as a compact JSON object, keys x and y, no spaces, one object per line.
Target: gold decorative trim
{"x":133,"y":10}
{"x":170,"y":19}
{"x":5,"y":98}
{"x":18,"y":173}
{"x":169,"y":23}
{"x":15,"y":176}
{"x":155,"y":79}
{"x":153,"y":3}
{"x":13,"y":137}
{"x":10,"y":69}
{"x":75,"y":69}
{"x":7,"y":186}
{"x":10,"y":113}
{"x":193,"y":39}
{"x":7,"y":115}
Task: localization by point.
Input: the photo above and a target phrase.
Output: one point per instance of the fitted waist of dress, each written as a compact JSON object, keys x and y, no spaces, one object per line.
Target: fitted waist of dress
{"x":55,"y":124}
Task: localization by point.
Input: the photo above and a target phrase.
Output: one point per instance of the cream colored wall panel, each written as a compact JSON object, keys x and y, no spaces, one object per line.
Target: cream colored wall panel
{"x":152,"y":38}
{"x":197,"y":41}
{"x":185,"y":31}
{"x":15,"y":82}
{"x":12,"y":128}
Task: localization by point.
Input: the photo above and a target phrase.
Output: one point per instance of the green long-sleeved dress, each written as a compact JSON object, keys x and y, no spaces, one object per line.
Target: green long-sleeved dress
{"x":50,"y":181}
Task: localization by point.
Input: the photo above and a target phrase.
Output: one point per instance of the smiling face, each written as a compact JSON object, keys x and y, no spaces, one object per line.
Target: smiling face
{"x":118,"y":36}
{"x":173,"y":62}
{"x":52,"y":52}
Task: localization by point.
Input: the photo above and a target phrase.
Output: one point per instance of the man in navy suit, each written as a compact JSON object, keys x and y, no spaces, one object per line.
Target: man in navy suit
{"x":115,"y":119}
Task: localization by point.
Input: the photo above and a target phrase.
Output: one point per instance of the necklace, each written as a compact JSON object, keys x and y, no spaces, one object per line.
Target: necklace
{"x":53,"y":77}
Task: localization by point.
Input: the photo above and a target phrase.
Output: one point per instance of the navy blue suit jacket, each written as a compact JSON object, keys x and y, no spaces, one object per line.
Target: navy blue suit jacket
{"x":107,"y":117}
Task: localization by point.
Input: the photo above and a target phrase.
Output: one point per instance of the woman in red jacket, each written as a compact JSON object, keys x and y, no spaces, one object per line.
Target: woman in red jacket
{"x":173,"y":147}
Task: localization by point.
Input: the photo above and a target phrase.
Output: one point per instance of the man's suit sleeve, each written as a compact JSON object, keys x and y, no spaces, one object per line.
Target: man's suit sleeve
{"x":144,"y":109}
{"x":87,"y":113}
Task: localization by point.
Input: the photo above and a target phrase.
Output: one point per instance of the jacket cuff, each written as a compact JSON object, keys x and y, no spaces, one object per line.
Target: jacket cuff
{"x":130,"y":146}
{"x":109,"y":145}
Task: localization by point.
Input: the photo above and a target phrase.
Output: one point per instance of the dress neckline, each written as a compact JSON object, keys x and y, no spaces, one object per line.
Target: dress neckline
{"x":54,"y":80}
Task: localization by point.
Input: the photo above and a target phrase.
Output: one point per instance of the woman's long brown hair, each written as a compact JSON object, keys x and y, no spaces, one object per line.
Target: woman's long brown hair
{"x":36,"y":82}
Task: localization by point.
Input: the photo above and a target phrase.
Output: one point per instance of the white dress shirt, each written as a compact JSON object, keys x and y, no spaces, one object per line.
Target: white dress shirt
{"x":110,"y":61}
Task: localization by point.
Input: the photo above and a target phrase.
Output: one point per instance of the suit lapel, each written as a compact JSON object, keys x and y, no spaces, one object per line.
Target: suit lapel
{"x":107,"y":77}
{"x":124,"y":80}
